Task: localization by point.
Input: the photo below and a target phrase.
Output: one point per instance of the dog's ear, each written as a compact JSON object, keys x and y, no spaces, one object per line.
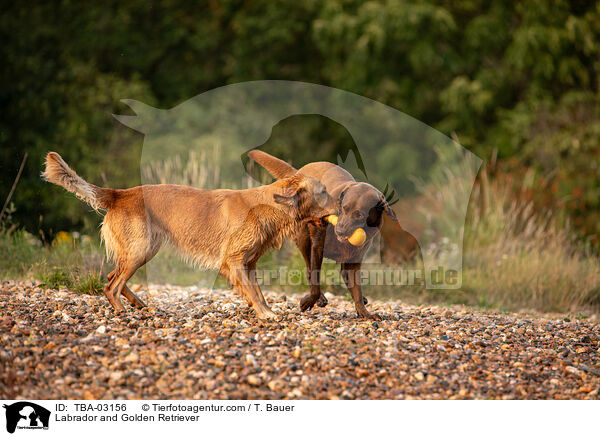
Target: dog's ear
{"x":390,"y":212}
{"x":291,"y":201}
{"x":289,"y":196}
{"x":384,"y":205}
{"x":388,"y":198}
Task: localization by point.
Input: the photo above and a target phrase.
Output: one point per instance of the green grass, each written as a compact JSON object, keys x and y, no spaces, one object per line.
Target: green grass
{"x":82,"y":282}
{"x":55,"y":277}
{"x":90,"y":282}
{"x":72,"y":262}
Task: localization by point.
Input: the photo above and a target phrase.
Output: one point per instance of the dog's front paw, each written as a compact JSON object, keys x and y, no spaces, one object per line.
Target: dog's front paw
{"x":365,"y":314}
{"x":322,"y":301}
{"x":307,"y":302}
{"x":267,"y":314}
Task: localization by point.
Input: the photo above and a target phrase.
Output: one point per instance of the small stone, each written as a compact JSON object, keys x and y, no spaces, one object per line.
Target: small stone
{"x":122,"y":342}
{"x":419,"y":376}
{"x":275,"y":385}
{"x":101,"y":330}
{"x":250,"y":360}
{"x":253,"y":380}
{"x":347,"y":395}
{"x":132,"y":357}
{"x":89,"y":395}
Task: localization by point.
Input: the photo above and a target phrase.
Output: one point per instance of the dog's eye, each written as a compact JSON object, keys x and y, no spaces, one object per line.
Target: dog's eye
{"x":357,"y":215}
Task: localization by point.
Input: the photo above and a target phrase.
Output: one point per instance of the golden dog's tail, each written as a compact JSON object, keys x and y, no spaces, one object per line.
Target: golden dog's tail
{"x":276,"y":167}
{"x":58,"y":172}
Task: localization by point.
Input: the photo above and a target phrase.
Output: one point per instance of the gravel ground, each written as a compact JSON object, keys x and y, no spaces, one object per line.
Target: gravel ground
{"x":194,"y":343}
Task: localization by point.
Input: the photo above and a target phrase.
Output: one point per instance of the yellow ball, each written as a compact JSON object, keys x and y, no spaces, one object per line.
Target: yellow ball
{"x":358,"y":237}
{"x":333,"y":219}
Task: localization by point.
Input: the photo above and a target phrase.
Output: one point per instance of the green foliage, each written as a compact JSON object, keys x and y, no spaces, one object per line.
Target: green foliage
{"x":515,"y":258}
{"x":71,"y":261}
{"x":88,"y":283}
{"x":519,"y":78}
{"x":82,"y":282}
{"x":18,"y":249}
{"x":55,"y":278}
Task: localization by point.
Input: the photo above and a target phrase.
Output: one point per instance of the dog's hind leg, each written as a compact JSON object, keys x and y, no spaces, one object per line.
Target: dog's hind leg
{"x":108,"y":291}
{"x":133,"y":299}
{"x":128,"y":293}
{"x":125,"y":271}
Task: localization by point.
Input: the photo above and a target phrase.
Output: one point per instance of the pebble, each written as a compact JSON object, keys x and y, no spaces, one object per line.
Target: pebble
{"x":253,"y":380}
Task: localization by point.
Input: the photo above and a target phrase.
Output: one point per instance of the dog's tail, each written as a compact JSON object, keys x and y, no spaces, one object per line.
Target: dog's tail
{"x":276,"y":167}
{"x":58,"y":172}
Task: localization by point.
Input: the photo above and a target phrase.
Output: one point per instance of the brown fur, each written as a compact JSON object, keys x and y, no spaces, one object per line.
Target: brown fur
{"x":360,"y":205}
{"x":221,"y":228}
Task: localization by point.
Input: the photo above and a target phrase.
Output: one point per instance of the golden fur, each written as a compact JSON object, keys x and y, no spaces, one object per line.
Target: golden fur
{"x":222,"y":228}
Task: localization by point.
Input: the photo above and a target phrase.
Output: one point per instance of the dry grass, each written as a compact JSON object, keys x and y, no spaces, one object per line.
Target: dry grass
{"x":514,"y":256}
{"x":518,"y":258}
{"x":197,"y":169}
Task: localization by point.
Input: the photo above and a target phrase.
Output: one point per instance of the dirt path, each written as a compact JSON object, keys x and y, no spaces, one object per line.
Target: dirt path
{"x":200,"y":344}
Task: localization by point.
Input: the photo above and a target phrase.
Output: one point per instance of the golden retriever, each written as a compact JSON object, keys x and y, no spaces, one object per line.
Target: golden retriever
{"x":222,"y":228}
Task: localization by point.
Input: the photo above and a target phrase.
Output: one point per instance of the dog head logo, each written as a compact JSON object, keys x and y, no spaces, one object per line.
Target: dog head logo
{"x":208,"y":138}
{"x":26,"y":415}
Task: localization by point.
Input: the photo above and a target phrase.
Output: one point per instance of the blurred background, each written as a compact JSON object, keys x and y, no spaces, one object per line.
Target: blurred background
{"x":516,"y":84}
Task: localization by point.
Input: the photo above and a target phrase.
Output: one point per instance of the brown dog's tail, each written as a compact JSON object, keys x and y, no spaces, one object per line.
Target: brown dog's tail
{"x":58,"y":172}
{"x":276,"y":167}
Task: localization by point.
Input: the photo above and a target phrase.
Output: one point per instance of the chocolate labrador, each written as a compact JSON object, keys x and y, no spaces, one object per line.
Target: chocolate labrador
{"x":360,"y":205}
